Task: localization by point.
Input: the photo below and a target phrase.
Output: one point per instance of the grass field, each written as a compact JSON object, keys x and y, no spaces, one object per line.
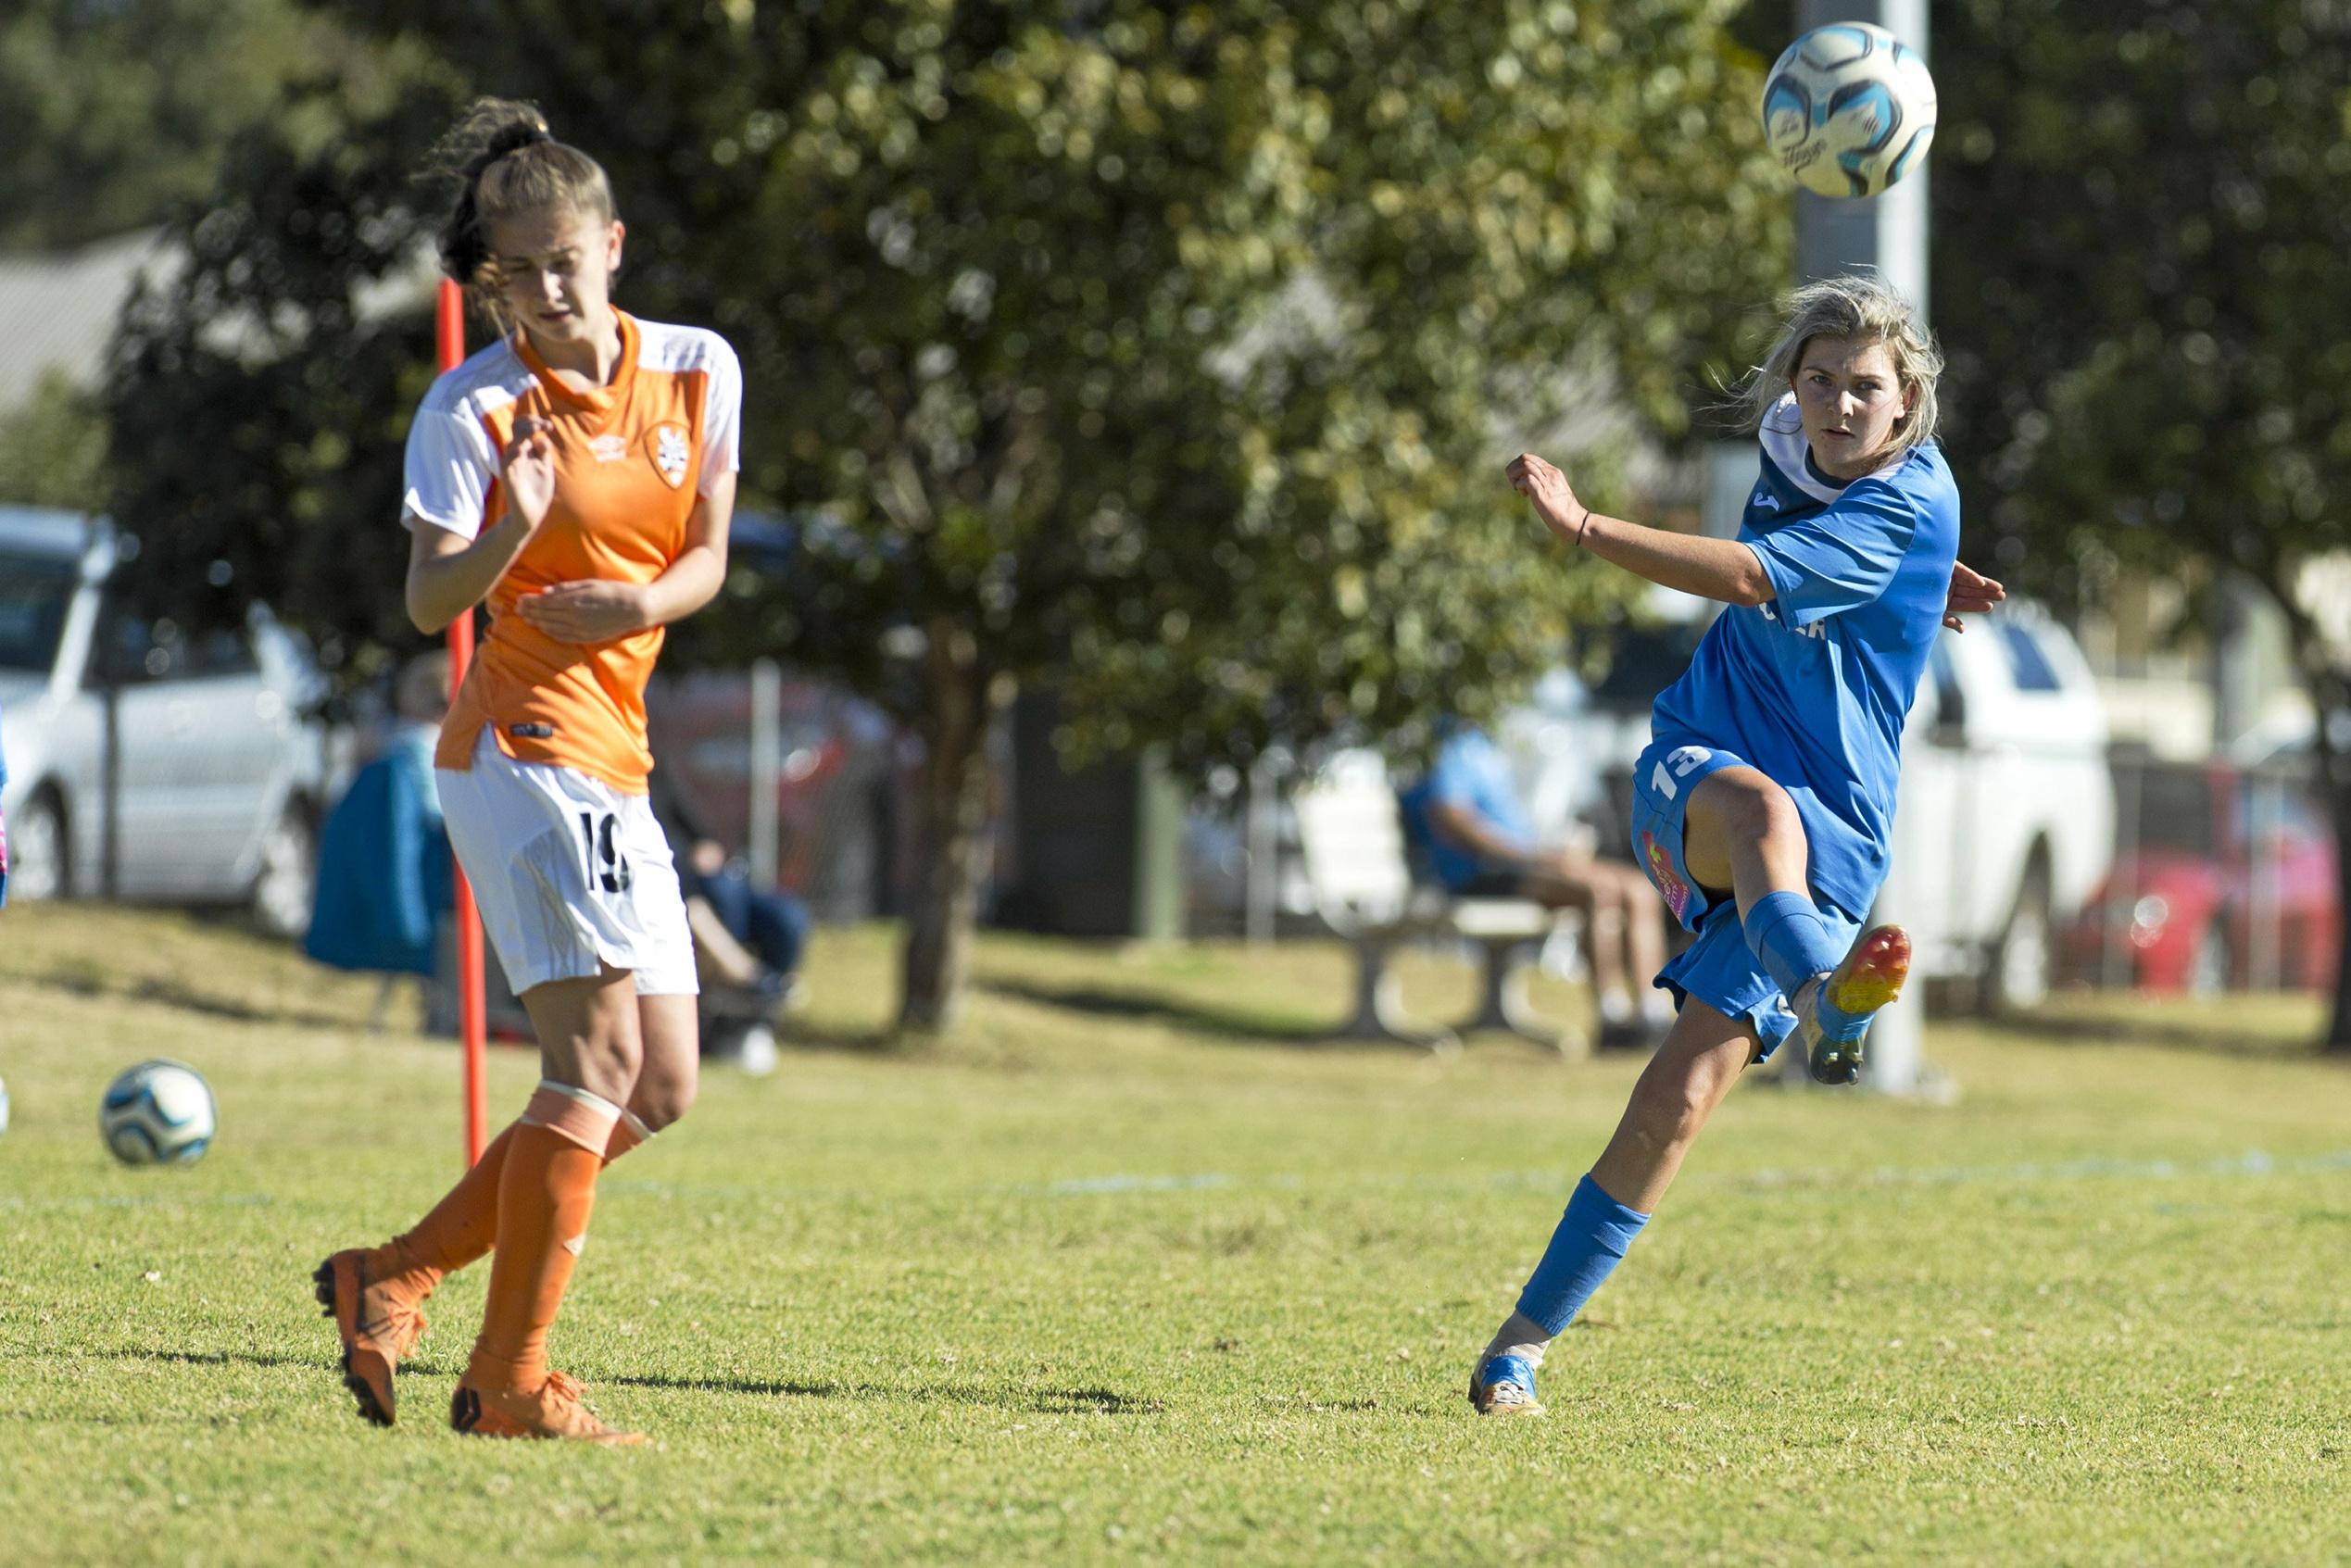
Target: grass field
{"x":1132,"y":1271}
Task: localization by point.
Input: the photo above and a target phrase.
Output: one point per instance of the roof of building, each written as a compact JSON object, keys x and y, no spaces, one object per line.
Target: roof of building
{"x":57,"y":309}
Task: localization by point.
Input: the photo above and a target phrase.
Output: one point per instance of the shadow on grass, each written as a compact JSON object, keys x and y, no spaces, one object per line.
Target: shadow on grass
{"x":1042,"y":1402}
{"x":1222,"y":1024}
{"x":219,"y":1357}
{"x":2197,"y":1033}
{"x":880,"y":1040}
{"x":173,"y":994}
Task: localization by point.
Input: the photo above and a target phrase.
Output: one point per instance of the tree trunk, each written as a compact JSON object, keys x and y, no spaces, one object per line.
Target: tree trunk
{"x":2330,"y":696}
{"x":2338,"y":794}
{"x":2327,"y":681}
{"x":957,"y":797}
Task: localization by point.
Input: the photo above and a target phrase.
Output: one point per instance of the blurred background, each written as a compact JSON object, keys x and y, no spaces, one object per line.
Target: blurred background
{"x":1127,"y":392}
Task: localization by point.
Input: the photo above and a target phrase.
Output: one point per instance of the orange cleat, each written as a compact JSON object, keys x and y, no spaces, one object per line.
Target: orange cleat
{"x":554,"y":1409}
{"x":379,"y":1322}
{"x":1833,"y":1012}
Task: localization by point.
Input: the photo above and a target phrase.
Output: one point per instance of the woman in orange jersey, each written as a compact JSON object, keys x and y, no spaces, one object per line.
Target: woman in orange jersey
{"x":577,"y":477}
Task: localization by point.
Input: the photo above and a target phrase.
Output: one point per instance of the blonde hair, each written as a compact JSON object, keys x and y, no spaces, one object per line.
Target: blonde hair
{"x":1854,"y":306}
{"x":506,"y":163}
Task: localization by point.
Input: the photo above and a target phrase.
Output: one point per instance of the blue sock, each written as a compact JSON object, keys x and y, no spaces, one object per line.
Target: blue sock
{"x":1786,"y":933}
{"x":1584,"y":1251}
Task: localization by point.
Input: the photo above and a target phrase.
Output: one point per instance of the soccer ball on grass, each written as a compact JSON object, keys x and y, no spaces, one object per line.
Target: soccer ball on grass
{"x":157,"y":1114}
{"x":1848,"y":108}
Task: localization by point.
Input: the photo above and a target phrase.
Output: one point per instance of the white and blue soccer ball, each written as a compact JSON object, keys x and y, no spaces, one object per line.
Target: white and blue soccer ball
{"x":3,"y":1108}
{"x":1849,"y":109}
{"x":159,"y":1113}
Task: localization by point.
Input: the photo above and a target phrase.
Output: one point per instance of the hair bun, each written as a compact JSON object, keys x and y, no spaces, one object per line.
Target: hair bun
{"x":513,"y":138}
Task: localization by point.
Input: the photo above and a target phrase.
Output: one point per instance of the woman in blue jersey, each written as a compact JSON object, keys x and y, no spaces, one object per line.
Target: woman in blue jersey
{"x":1764,"y":804}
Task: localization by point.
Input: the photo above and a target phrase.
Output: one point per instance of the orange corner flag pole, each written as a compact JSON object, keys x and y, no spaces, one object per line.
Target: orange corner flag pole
{"x":472,"y":1021}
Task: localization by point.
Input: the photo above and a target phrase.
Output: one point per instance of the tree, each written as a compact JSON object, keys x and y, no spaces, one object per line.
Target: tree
{"x":53,"y":446}
{"x":2141,"y":275}
{"x":114,"y":112}
{"x":257,"y":408}
{"x":1168,"y":354}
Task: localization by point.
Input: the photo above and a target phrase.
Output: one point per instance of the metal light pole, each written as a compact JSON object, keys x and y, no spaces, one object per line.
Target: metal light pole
{"x":764,"y":841}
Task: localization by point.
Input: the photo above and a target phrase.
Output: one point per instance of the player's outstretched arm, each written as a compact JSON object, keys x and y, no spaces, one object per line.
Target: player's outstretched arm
{"x":1712,"y":569}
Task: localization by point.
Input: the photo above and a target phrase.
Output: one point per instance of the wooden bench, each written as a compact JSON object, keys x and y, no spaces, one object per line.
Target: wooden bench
{"x":1356,"y":868}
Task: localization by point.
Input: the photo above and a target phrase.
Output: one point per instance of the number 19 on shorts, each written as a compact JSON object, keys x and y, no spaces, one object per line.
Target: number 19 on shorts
{"x":607,"y":866}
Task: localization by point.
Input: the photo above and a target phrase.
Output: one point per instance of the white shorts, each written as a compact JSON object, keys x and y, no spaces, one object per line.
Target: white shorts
{"x":569,"y":874}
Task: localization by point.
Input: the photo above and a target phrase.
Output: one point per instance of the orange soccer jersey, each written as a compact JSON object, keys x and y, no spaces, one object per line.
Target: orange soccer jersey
{"x":631,"y":459}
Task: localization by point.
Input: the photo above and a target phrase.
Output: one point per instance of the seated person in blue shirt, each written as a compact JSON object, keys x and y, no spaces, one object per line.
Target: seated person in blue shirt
{"x":1763,"y":805}
{"x":1464,"y":823}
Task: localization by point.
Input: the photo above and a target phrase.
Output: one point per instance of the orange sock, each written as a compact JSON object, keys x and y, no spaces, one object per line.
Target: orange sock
{"x":463,"y":1226}
{"x":546,"y":1194}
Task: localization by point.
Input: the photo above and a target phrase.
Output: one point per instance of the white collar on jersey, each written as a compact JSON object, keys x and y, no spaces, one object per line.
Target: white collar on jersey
{"x":1782,"y":434}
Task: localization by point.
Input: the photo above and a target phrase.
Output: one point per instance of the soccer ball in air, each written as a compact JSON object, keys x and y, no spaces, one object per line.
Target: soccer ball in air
{"x":157,"y":1114}
{"x":1848,"y":108}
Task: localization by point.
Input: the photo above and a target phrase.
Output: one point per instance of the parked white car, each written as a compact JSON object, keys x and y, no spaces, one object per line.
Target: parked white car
{"x":218,"y":777}
{"x":2006,"y":819}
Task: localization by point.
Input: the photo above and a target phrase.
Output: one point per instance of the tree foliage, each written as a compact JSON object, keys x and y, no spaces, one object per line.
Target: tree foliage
{"x":113,"y":112}
{"x":1168,"y":353}
{"x":2142,"y":270}
{"x":257,"y":404}
{"x":53,"y":446}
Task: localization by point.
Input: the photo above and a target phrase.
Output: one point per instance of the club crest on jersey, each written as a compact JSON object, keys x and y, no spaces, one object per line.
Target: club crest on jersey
{"x":671,"y":453}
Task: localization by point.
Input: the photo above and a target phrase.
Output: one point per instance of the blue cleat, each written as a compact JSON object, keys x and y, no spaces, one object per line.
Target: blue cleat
{"x":1504,"y":1386}
{"x":1833,"y":1012}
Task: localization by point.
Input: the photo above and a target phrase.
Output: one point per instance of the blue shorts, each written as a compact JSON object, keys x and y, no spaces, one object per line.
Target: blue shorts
{"x":1717,"y":968}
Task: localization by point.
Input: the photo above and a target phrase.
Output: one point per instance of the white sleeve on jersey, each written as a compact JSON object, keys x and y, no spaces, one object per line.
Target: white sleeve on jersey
{"x":450,"y":466}
{"x":721,"y":416}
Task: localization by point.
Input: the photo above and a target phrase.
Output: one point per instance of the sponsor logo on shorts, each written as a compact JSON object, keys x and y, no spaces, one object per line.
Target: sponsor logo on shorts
{"x":1660,"y":866}
{"x":531,"y":732}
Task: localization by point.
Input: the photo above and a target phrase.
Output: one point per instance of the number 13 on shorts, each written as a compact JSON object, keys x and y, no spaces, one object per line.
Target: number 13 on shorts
{"x":1683,"y":762}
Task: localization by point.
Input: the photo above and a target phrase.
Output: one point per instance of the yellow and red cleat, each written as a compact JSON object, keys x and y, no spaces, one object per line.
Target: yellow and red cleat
{"x":379,"y":1321}
{"x":1833,"y":1014}
{"x":555,"y":1409}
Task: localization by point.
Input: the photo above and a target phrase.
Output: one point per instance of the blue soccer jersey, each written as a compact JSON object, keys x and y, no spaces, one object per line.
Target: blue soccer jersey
{"x":1813,"y":686}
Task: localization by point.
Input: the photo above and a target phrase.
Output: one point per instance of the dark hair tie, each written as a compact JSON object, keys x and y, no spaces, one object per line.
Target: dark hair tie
{"x":512,"y":138}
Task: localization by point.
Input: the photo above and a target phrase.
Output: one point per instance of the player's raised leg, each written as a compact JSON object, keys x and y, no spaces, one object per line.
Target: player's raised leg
{"x":591,"y":1049}
{"x":1687,"y":1078}
{"x":1743,"y":832}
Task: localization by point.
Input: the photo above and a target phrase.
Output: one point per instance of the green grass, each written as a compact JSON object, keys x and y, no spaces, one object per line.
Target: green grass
{"x":1132,"y":1271}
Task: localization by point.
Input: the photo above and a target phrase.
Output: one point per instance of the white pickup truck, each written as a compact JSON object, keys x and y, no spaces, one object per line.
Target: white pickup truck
{"x":2006,"y":822}
{"x":2006,"y":819}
